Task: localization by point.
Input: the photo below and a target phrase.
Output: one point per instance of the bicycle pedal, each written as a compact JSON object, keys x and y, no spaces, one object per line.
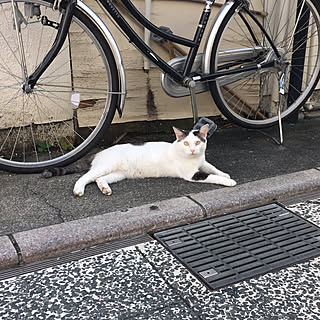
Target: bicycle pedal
{"x":203,"y":121}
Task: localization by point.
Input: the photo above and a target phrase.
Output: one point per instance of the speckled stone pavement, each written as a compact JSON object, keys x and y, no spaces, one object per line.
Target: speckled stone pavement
{"x":146,"y":282}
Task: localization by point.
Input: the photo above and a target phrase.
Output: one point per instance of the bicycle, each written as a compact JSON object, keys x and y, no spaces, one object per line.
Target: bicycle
{"x":274,"y":55}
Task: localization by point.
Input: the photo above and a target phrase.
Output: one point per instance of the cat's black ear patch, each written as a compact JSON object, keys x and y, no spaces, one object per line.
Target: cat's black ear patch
{"x":198,"y":134}
{"x":195,"y":132}
{"x":180,"y":134}
{"x":200,"y":176}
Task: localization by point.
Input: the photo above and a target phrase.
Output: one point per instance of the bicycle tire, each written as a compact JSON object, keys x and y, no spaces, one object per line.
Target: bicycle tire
{"x":74,"y":101}
{"x":252,"y":99}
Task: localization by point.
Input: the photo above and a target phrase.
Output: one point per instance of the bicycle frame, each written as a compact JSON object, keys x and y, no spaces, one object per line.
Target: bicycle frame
{"x":183,"y":78}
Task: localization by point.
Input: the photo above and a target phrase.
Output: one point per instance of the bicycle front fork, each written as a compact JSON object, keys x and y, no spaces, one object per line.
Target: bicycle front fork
{"x":63,"y":28}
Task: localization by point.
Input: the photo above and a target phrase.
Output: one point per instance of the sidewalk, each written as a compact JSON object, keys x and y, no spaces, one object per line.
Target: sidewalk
{"x":41,"y":218}
{"x":142,"y":280}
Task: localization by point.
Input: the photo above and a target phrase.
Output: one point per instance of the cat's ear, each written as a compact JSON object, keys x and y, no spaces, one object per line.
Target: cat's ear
{"x":179,"y":133}
{"x":204,"y":131}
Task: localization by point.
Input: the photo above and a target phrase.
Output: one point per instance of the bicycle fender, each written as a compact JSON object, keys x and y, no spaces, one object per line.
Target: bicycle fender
{"x":115,"y":50}
{"x":212,"y":36}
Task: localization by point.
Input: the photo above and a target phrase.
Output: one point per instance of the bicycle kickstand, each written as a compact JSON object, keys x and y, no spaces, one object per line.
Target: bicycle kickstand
{"x":198,"y":123}
{"x":280,"y":125}
{"x":192,"y":89}
{"x":281,"y":100}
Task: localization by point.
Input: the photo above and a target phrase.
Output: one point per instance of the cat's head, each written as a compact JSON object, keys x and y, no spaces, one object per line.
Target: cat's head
{"x":191,"y":143}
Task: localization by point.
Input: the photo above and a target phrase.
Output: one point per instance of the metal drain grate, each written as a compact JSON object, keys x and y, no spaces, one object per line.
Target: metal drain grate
{"x":238,"y":246}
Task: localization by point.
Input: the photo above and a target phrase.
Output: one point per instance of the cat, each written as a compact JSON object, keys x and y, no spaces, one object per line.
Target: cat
{"x":184,"y":158}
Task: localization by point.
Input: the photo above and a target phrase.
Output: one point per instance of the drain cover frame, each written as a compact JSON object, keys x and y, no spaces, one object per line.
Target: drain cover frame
{"x":239,"y":246}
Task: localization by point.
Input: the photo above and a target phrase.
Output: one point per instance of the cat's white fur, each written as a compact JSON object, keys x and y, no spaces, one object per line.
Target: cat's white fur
{"x":183,"y":158}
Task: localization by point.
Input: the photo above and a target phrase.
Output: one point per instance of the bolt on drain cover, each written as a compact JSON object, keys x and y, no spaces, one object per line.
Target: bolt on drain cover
{"x":239,"y":246}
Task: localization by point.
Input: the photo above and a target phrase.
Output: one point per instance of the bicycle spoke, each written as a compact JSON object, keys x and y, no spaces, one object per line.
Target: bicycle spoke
{"x":274,"y":37}
{"x":16,"y":140}
{"x":9,"y":73}
{"x":20,"y":41}
{"x":239,"y":87}
{"x":268,"y":20}
{"x":8,"y":86}
{"x":53,"y":95}
{"x":17,"y":95}
{"x":250,"y":40}
{"x":44,"y":134}
{"x":65,"y":123}
{"x":297,"y":22}
{"x":60,"y":67}
{"x":37,"y":60}
{"x":52,"y":127}
{"x":5,"y":70}
{"x":285,"y":42}
{"x":34,"y":143}
{"x":52,"y":75}
{"x":302,"y":44}
{"x":52,"y":78}
{"x":253,"y":100}
{"x":5,"y":39}
{"x":5,"y":140}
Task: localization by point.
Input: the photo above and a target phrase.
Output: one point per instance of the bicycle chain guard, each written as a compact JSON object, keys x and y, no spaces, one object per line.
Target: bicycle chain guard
{"x":172,"y":88}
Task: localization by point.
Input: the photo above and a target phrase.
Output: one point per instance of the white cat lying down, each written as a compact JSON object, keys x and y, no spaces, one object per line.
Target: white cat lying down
{"x":184,"y":158}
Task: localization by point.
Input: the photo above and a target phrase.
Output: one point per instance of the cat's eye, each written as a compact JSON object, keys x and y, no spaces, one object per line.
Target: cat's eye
{"x":197,"y":143}
{"x":186,"y":143}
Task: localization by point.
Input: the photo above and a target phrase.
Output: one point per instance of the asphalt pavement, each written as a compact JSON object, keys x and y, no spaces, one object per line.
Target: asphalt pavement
{"x":40,"y":218}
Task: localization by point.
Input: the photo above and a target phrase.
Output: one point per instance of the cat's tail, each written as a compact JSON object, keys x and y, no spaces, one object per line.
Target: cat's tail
{"x":79,"y":166}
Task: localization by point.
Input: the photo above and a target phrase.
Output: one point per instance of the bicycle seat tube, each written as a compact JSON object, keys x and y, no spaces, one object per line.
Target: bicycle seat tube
{"x":57,"y":45}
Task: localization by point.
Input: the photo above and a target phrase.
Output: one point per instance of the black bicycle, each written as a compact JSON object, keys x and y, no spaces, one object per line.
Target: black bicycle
{"x":259,"y":65}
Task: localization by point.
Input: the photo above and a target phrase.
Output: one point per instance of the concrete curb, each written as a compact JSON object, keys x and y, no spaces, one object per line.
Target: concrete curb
{"x":74,"y":235}
{"x":42,"y":243}
{"x":8,"y":256}
{"x":258,"y":192}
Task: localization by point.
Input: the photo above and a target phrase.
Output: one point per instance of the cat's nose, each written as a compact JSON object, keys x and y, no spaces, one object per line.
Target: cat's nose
{"x":192,"y":151}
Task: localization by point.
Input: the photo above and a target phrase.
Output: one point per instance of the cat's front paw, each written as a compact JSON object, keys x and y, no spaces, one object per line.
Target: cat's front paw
{"x":231,"y":183}
{"x":106,"y":190}
{"x":227,"y":182}
{"x":78,"y":191}
{"x":226,"y":175}
{"x":103,"y":186}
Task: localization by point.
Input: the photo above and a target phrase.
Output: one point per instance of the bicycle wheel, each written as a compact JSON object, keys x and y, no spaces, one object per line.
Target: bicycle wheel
{"x":71,"y":105}
{"x":253,"y":99}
